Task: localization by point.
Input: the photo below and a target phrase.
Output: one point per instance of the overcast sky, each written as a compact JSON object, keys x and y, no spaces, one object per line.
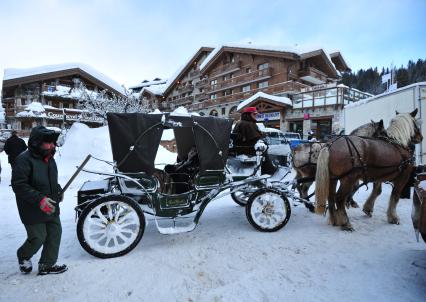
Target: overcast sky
{"x":135,"y":40}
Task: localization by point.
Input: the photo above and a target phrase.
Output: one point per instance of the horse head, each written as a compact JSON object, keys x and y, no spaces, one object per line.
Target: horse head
{"x":417,"y":137}
{"x":403,"y":128}
{"x":379,"y":129}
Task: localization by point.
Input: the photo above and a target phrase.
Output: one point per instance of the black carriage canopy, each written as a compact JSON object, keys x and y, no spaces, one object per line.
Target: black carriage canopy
{"x":135,"y":138}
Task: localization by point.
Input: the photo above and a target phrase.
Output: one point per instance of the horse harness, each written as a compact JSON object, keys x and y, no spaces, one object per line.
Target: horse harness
{"x":355,"y":155}
{"x":311,"y":152}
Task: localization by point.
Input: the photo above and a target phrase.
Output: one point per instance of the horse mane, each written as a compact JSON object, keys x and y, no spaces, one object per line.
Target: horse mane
{"x":401,"y":129}
{"x":364,"y":130}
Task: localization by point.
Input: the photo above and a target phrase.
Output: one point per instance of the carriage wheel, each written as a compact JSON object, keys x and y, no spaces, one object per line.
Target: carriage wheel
{"x":268,"y":210}
{"x":111,"y":226}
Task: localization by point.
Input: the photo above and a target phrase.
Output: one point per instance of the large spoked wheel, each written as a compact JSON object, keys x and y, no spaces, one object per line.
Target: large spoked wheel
{"x":111,"y":226}
{"x":268,"y":210}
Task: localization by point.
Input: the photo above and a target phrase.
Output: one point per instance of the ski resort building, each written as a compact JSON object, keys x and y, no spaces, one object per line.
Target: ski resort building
{"x":49,"y":95}
{"x":294,"y":91}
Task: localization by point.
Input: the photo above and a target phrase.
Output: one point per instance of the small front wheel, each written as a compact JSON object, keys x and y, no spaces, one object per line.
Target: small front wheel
{"x":268,"y":210}
{"x":110,"y":226}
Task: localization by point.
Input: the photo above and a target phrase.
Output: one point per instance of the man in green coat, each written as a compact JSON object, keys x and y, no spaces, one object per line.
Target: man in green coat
{"x":35,"y":183}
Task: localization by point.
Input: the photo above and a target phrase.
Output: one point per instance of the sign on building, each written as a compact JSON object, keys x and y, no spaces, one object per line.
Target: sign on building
{"x":268,"y":116}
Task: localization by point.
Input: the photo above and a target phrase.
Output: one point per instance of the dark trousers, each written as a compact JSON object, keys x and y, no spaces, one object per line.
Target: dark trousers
{"x":267,"y":166}
{"x":48,"y":235}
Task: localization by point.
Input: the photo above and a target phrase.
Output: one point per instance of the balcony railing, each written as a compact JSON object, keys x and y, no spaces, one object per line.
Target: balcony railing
{"x":310,"y":72}
{"x":186,"y":88}
{"x":201,"y":83}
{"x":194,"y":73}
{"x":200,"y":97}
{"x":257,"y":75}
{"x":184,"y":100}
{"x":230,"y":67}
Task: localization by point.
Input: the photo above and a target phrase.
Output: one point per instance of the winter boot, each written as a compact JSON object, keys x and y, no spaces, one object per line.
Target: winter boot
{"x":25,"y":266}
{"x":44,"y":269}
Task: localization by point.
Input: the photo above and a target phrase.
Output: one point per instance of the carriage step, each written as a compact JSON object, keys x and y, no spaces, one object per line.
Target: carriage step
{"x":175,"y":226}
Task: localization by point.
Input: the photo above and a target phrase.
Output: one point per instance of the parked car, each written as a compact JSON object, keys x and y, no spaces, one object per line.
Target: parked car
{"x":294,"y":139}
{"x":279,"y":148}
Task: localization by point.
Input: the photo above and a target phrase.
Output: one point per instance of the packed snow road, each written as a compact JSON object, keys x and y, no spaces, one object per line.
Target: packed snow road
{"x":224,"y":258}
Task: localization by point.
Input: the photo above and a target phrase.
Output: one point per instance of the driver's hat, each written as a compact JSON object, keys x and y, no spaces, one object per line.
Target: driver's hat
{"x":250,"y":110}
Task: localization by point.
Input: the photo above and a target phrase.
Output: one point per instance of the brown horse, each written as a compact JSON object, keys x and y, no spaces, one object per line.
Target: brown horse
{"x":349,"y":159}
{"x":305,"y":157}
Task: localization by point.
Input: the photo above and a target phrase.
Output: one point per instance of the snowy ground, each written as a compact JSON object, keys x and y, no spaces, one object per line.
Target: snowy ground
{"x":224,"y":258}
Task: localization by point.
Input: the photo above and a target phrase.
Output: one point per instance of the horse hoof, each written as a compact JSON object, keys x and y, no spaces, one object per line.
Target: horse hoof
{"x":368,"y":213}
{"x":310,"y":207}
{"x":354,"y":204}
{"x":347,"y":228}
{"x":393,"y":220}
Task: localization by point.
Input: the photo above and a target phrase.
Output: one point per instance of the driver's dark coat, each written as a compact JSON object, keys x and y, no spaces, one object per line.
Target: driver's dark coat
{"x":246,"y":135}
{"x":33,"y":179}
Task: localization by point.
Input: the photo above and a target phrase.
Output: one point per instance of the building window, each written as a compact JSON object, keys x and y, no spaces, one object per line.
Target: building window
{"x":231,"y":75}
{"x":213,"y":96}
{"x":223,"y":111}
{"x":225,"y":77}
{"x":248,"y":70}
{"x":213,"y":84}
{"x":263,"y":66}
{"x":231,"y":58}
{"x":227,"y":92}
{"x":263,"y":69}
{"x":214,"y":113}
{"x":65,"y":106}
{"x":263,"y":84}
{"x":245,"y":88}
{"x":233,"y":110}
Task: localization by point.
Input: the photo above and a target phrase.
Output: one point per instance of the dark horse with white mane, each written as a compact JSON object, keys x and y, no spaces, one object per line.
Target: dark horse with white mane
{"x":305,"y":157}
{"x":349,"y":159}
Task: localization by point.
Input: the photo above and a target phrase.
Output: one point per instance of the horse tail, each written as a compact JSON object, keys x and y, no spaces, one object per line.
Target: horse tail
{"x":322,"y":181}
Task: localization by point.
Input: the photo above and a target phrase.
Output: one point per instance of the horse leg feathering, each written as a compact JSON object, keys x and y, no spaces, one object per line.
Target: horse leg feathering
{"x":322,"y":178}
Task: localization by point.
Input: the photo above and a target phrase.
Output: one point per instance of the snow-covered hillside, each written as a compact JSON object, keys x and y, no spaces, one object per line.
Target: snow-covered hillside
{"x":224,"y":259}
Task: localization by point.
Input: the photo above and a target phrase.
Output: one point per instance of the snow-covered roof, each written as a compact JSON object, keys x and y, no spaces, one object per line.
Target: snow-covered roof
{"x":156,"y":89}
{"x":290,"y":49}
{"x":181,"y":68}
{"x":147,"y":83}
{"x":14,"y":73}
{"x":277,"y":99}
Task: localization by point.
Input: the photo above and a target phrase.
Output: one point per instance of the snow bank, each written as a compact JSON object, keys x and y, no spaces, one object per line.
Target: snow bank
{"x":182,"y":111}
{"x":81,"y":141}
{"x":34,"y":109}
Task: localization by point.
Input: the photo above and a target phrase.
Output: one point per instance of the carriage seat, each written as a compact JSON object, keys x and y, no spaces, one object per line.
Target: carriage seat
{"x":242,"y":165}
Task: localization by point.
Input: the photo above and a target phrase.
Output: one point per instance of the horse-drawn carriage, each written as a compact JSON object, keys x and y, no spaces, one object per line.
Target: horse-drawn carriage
{"x":111,"y":212}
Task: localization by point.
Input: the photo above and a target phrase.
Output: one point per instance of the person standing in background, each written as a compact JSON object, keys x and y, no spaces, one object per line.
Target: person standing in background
{"x":14,"y":146}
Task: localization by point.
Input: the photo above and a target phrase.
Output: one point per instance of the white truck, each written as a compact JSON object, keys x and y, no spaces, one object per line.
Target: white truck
{"x":384,"y":106}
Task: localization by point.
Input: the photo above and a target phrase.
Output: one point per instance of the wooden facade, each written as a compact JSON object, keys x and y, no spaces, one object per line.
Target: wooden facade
{"x":215,"y":82}
{"x":60,"y":109}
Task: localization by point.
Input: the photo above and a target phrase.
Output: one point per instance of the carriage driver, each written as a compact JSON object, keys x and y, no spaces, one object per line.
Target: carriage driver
{"x":247,"y":134}
{"x":35,"y":183}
